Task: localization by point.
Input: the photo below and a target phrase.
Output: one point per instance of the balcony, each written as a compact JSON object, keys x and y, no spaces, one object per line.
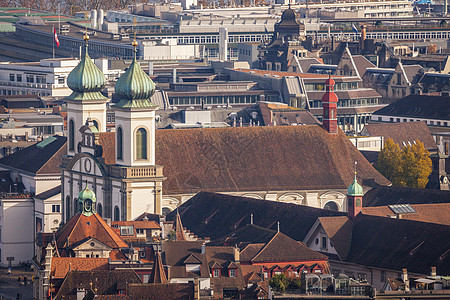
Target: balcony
{"x":136,"y":172}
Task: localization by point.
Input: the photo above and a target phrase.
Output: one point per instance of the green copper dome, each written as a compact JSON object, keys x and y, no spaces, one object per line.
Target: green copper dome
{"x":87,"y":200}
{"x":355,"y":189}
{"x":135,"y":87}
{"x":86,"y":80}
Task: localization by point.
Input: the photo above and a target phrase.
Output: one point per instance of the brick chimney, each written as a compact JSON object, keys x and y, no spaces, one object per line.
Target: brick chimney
{"x":329,"y":104}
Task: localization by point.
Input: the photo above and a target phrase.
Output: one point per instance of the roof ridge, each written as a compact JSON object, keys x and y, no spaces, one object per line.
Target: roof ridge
{"x":107,"y":229}
{"x":57,"y":152}
{"x":267,"y":244}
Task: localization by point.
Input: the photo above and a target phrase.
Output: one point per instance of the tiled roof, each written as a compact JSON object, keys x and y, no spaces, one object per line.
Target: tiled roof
{"x":384,"y":195}
{"x":175,"y":254}
{"x":49,"y":193}
{"x":402,"y":133}
{"x":108,"y":142}
{"x":397,"y":243}
{"x":289,"y":117}
{"x":438,"y":213}
{"x":138,"y":224}
{"x":345,"y":95}
{"x":259,"y":158}
{"x":283,"y":74}
{"x":411,"y":71}
{"x":62,"y":265}
{"x":80,"y":227}
{"x":106,"y":282}
{"x":362,"y":63}
{"x":179,"y":230}
{"x":282,"y":248}
{"x":170,"y":291}
{"x":38,"y":159}
{"x":295,"y":220}
{"x":419,"y":106}
{"x":224,"y":256}
{"x":339,"y":230}
{"x":158,"y":275}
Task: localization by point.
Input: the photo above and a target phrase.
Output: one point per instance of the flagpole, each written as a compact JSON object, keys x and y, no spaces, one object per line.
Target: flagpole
{"x":53,"y":43}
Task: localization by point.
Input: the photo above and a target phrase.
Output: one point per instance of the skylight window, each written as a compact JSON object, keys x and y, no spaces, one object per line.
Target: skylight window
{"x":402,"y":209}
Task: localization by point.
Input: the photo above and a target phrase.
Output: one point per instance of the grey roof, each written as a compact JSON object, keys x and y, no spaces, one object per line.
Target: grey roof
{"x":362,"y":64}
{"x":419,"y":106}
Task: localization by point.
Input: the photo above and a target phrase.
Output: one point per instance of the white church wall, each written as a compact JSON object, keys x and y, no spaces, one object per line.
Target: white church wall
{"x":142,"y":198}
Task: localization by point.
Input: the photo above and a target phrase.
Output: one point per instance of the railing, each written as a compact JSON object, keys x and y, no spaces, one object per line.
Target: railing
{"x":136,"y":172}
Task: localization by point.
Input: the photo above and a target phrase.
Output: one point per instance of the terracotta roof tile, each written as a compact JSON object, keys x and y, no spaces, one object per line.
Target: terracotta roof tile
{"x":438,"y":213}
{"x":284,"y":249}
{"x":62,"y":265}
{"x":398,"y":243}
{"x":171,"y":291}
{"x":297,"y":219}
{"x":339,"y":230}
{"x":403,"y":133}
{"x":108,"y":142}
{"x":158,"y":274}
{"x":288,"y":157}
{"x":388,"y":195}
{"x":80,"y":227}
{"x":38,"y":160}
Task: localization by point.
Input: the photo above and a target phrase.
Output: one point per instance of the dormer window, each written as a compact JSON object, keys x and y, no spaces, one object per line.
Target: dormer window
{"x":216,"y":273}
{"x":232,"y":272}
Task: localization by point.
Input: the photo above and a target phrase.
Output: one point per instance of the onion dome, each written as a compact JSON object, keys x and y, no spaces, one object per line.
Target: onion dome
{"x":86,"y":202}
{"x":355,"y":189}
{"x":135,"y":87}
{"x":86,"y":80}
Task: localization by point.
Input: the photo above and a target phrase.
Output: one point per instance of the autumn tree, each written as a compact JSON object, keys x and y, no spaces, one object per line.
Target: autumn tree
{"x":389,"y":162}
{"x":409,"y":167}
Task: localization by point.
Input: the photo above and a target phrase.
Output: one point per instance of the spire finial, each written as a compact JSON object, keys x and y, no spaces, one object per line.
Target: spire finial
{"x":134,"y":43}
{"x":251,"y":218}
{"x":355,"y":167}
{"x":85,"y":36}
{"x":278,"y":226}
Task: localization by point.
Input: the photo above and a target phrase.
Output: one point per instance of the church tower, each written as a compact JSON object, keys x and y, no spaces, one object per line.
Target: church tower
{"x":329,"y":104}
{"x":135,"y":117}
{"x":135,"y":142}
{"x":86,"y":102}
{"x":355,"y":194}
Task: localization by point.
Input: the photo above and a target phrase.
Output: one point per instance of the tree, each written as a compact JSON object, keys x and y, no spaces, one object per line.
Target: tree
{"x":416,"y":166}
{"x":279,"y":283}
{"x":389,"y":162}
{"x":409,"y":167}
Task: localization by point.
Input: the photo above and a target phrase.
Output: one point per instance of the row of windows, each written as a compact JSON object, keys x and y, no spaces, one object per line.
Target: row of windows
{"x":214,"y":100}
{"x":340,"y":86}
{"x":429,"y":122}
{"x":347,"y":103}
{"x":392,"y":35}
{"x":214,"y":39}
{"x":22,"y":92}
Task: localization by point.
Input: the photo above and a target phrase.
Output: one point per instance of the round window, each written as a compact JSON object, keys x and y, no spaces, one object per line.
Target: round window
{"x":92,"y":244}
{"x":317,"y":241}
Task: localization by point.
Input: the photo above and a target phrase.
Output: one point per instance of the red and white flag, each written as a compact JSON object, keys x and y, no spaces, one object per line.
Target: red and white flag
{"x":55,"y":35}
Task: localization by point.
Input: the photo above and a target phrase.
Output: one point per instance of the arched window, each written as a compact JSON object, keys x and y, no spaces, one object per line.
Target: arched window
{"x":116,"y":213}
{"x":71,"y":135}
{"x":141,"y":144}
{"x":100,"y":209}
{"x":96,"y":124}
{"x":75,"y":206}
{"x":67,"y":208}
{"x":331,"y":206}
{"x":166,"y":211}
{"x":119,"y":143}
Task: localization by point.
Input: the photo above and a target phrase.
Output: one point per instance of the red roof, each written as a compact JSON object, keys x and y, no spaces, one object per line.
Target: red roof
{"x":81,"y":227}
{"x":62,"y":265}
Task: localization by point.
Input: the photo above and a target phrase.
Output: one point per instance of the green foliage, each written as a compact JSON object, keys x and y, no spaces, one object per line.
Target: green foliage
{"x":172,"y":235}
{"x":409,"y":167}
{"x":280,"y":283}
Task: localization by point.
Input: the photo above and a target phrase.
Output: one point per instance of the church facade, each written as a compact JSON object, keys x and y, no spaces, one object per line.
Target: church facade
{"x":129,"y":183}
{"x":308,"y":164}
